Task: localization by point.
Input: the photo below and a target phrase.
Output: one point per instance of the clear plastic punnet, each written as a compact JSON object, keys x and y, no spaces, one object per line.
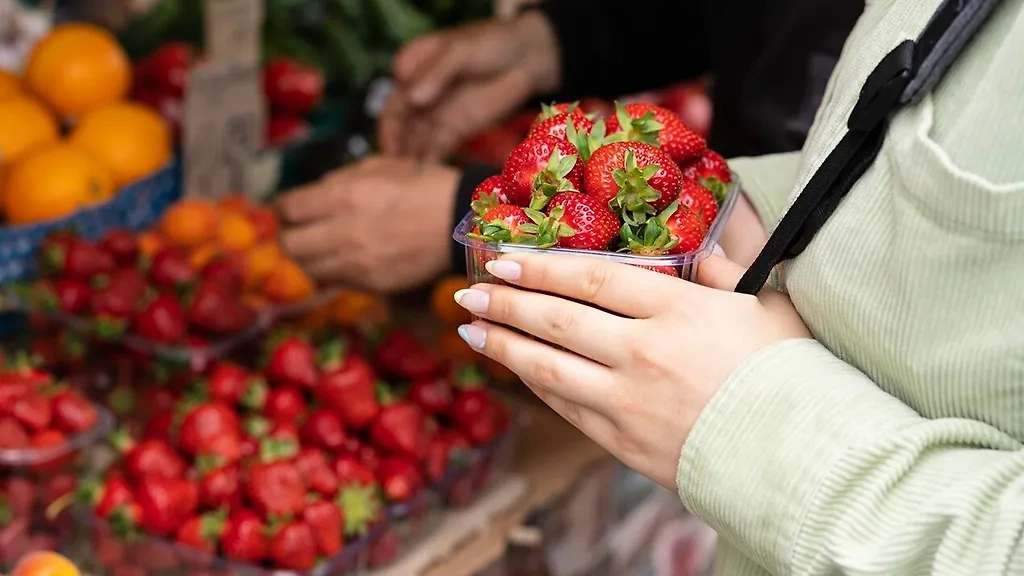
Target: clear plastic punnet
{"x":472,"y":473}
{"x":479,"y":252}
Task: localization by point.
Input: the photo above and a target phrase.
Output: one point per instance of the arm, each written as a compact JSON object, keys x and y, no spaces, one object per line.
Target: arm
{"x":609,"y":48}
{"x":808,"y":467}
{"x":767,"y":182}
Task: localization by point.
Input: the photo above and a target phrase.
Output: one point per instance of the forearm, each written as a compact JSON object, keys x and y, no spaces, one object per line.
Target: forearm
{"x":808,"y":467}
{"x":766,"y":182}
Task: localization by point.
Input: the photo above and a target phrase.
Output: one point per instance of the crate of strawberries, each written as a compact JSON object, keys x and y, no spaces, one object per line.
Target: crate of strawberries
{"x":44,"y":428}
{"x":640,"y":188}
{"x":206,"y":278}
{"x":328,"y":455}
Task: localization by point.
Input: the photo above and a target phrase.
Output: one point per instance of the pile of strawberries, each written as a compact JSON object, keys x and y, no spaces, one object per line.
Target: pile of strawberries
{"x":282,"y":465}
{"x":641,"y":183}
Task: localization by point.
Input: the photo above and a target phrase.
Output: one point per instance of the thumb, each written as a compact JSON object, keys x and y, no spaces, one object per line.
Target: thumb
{"x":719,"y":272}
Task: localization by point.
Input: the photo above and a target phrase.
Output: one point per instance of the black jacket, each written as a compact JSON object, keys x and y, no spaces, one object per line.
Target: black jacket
{"x":770,"y":60}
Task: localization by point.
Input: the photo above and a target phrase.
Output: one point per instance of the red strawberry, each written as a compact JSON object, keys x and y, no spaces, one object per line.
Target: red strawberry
{"x":351,"y":472}
{"x":349,"y":390}
{"x":400,"y":428}
{"x":699,"y":200}
{"x":160,"y":426}
{"x":556,"y":126}
{"x":170,"y":269}
{"x":121,"y":244}
{"x":323,"y":428}
{"x":165,"y":503}
{"x":402,"y":355}
{"x":508,"y":223}
{"x":636,"y":179}
{"x":167,"y":68}
{"x":81,"y":259}
{"x":73,"y":412}
{"x":551,"y":110}
{"x":244,"y":539}
{"x":33,"y":411}
{"x":442,"y":449}
{"x":68,"y":295}
{"x":230,"y":383}
{"x":293,"y":547}
{"x":284,"y":431}
{"x":150,"y":458}
{"x":202,"y":532}
{"x":316,"y":472}
{"x":224,"y":272}
{"x":686,"y":228}
{"x":55,"y":489}
{"x":327,"y":522}
{"x":214,"y":309}
{"x":580,"y":221}
{"x":292,"y":362}
{"x":274,"y":486}
{"x":219,"y":488}
{"x":539,"y":168}
{"x":666,"y":270}
{"x":114,"y":497}
{"x":17,"y":498}
{"x":478,"y":416}
{"x":211,"y":429}
{"x":433,"y":395}
{"x":13,"y":435}
{"x":488,"y":194}
{"x":360,"y":506}
{"x":711,"y":170}
{"x":53,"y":251}
{"x":284,"y":404}
{"x":655,"y":125}
{"x":115,"y":300}
{"x":291,"y":86}
{"x":400,"y":478}
{"x":162,"y":321}
{"x":285,"y":129}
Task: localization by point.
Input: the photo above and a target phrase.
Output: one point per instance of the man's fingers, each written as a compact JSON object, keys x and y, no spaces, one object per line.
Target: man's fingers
{"x":425,"y":89}
{"x":315,"y":201}
{"x":411,"y":60}
{"x":314,"y":240}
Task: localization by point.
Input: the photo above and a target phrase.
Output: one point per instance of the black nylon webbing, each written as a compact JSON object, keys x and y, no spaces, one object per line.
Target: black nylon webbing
{"x":903,"y":77}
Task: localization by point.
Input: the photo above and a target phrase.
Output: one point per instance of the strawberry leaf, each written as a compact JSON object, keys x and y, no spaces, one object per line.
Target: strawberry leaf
{"x":643,"y":129}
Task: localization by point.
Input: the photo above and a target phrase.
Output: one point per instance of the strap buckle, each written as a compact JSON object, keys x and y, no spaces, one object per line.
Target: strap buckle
{"x":882,"y":90}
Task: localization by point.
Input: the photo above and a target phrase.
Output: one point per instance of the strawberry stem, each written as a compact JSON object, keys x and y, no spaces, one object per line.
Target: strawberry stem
{"x":643,"y":129}
{"x":551,"y":180}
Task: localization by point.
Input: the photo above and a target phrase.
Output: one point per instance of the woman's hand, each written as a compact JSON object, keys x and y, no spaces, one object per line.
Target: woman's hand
{"x":634,"y":381}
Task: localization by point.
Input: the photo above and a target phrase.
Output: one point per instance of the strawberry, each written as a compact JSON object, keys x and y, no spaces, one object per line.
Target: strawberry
{"x":635,"y":179}
{"x":17,"y":498}
{"x":556,"y":126}
{"x":292,"y":86}
{"x":699,"y":200}
{"x":211,"y":429}
{"x":113,"y":498}
{"x":292,"y":361}
{"x":225,"y":273}
{"x":666,"y":270}
{"x":514,"y":224}
{"x":170,"y":269}
{"x":13,"y":435}
{"x":404,"y":356}
{"x":230,"y":383}
{"x":488,"y":194}
{"x":327,"y":522}
{"x":150,"y":458}
{"x":284,"y":404}
{"x":433,"y":395}
{"x":55,"y":489}
{"x":364,"y":453}
{"x":81,"y":259}
{"x":551,"y":110}
{"x":478,"y":416}
{"x":202,"y":532}
{"x":349,"y":390}
{"x":165,"y":503}
{"x":274,"y":486}
{"x":293,"y":547}
{"x":316,"y":472}
{"x":73,"y":412}
{"x":162,"y":321}
{"x":114,"y":300}
{"x":53,"y":251}
{"x":121,"y":244}
{"x":442,"y":449}
{"x":33,"y":411}
{"x":658,"y":126}
{"x":400,"y":427}
{"x":539,"y":168}
{"x":167,"y":68}
{"x":360,"y":505}
{"x":68,"y":295}
{"x":243,"y":538}
{"x":351,"y":472}
{"x":323,"y":428}
{"x":400,"y":478}
{"x":687,"y":229}
{"x":160,"y":426}
{"x":580,"y":221}
{"x":214,"y":309}
{"x":712,"y":171}
{"x":219,"y":488}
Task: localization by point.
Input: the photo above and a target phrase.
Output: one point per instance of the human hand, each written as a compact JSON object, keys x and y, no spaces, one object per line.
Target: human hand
{"x":457,"y":82}
{"x":383,"y":224}
{"x":634,"y":384}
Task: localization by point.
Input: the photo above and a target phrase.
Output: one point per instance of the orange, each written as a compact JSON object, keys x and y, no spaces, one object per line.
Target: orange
{"x":352,"y":309}
{"x":53,"y":181}
{"x":150,"y":242}
{"x":260,"y":261}
{"x":442,"y":301}
{"x":235,"y":232}
{"x":253,"y":301}
{"x":45,"y":564}
{"x":77,"y":68}
{"x":25,"y":124}
{"x":454,"y":348}
{"x":203,"y":255}
{"x":132,"y":139}
{"x":233,"y":202}
{"x":9,"y":84}
{"x":190,"y":222}
{"x":287,"y":282}
{"x":265,"y":221}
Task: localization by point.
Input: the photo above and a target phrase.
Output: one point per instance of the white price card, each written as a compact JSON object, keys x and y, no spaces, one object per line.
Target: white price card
{"x":233,"y":30}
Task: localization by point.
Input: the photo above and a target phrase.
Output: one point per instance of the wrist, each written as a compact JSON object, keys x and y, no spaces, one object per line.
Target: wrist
{"x":539,"y":50}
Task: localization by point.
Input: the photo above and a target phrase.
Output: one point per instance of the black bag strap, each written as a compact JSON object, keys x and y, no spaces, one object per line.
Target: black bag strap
{"x":903,"y":77}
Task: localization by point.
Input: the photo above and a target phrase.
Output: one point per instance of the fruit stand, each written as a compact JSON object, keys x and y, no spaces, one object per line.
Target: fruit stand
{"x":179,"y":396}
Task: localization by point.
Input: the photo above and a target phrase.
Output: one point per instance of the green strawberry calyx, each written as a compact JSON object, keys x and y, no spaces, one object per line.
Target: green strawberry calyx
{"x":719,"y":188}
{"x":551,"y":180}
{"x":360,"y":506}
{"x":651,"y":238}
{"x":587,"y":142}
{"x":643,"y":129}
{"x":487,"y":201}
{"x":497,"y":230}
{"x":635,"y":195}
{"x":548,"y":230}
{"x":551,"y":110}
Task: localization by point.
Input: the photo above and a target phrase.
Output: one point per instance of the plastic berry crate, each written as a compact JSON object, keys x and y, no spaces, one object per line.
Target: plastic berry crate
{"x":479,"y":252}
{"x":408,"y":524}
{"x":473,"y":472}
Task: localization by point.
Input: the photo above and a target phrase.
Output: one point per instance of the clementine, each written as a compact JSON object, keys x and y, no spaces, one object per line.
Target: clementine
{"x":150,"y":242}
{"x":26,"y":124}
{"x":352,"y":309}
{"x":442,"y":301}
{"x":10,"y":84}
{"x":190,"y":223}
{"x":45,"y":564}
{"x":203,"y":255}
{"x":260,"y":262}
{"x":78,"y":67}
{"x":287,"y":283}
{"x":236,"y":232}
{"x":53,"y":181}
{"x":132,"y":139}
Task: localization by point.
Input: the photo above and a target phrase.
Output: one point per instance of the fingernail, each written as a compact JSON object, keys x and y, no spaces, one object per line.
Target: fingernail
{"x":473,"y":300}
{"x":475,"y":336}
{"x":717,"y":251}
{"x":504,"y":269}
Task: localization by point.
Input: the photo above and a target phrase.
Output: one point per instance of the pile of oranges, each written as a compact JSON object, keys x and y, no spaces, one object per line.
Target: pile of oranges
{"x":68,"y":137}
{"x":237,"y":229}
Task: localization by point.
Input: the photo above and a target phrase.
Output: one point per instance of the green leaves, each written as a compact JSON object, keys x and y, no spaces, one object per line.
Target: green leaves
{"x":653,"y":236}
{"x":635,"y":195}
{"x":552,"y":179}
{"x":644,"y":129}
